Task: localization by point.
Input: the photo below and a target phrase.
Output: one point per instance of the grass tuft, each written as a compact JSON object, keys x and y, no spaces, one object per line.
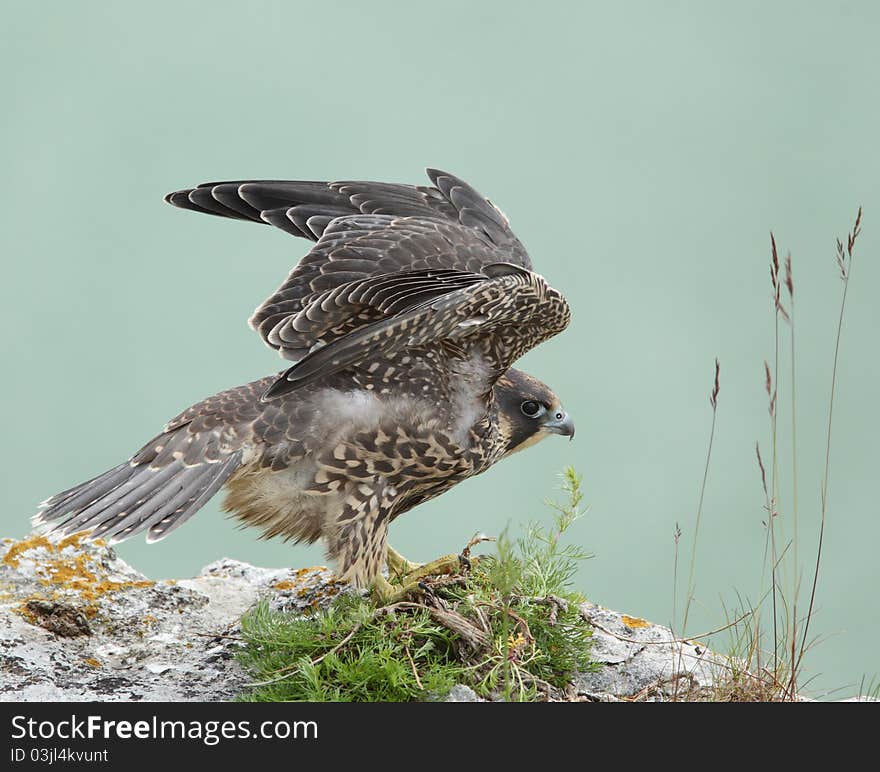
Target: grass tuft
{"x":509,"y":628}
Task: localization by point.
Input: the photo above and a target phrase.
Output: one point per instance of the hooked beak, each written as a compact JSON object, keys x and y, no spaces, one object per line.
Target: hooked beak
{"x":559,"y":422}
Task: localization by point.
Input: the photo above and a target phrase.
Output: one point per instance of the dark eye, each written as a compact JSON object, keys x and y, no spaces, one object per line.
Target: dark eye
{"x":531,"y":408}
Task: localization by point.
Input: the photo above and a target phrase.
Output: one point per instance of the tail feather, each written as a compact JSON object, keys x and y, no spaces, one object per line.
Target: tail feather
{"x":132,"y":498}
{"x":145,"y":491}
{"x":139,"y":483}
{"x":168,"y":500}
{"x":87,"y":492}
{"x":159,"y":529}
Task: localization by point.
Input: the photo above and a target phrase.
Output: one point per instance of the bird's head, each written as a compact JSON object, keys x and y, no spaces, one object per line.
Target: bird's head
{"x":528,"y":411}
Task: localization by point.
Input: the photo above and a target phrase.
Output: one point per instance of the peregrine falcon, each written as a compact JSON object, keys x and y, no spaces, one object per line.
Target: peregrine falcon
{"x":401,"y":324}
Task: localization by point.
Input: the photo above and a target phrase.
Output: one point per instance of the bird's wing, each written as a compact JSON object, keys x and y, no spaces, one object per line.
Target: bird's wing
{"x":499,"y":314}
{"x":307,"y":208}
{"x":362,"y":229}
{"x":336,"y":288}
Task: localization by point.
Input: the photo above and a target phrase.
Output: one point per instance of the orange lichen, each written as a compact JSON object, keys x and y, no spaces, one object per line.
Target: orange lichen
{"x":70,"y":572}
{"x":104,"y":587}
{"x":92,"y":662}
{"x":74,"y":541}
{"x":75,"y":573}
{"x":634,"y":623}
{"x":303,"y":571}
{"x":286,"y":584}
{"x":14,"y":553}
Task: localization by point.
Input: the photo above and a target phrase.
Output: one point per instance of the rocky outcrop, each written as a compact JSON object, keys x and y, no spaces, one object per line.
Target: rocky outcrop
{"x":78,"y":623}
{"x":641,"y":660}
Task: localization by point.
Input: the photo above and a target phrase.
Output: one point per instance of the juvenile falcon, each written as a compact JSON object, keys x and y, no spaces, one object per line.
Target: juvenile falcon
{"x":402,"y":324}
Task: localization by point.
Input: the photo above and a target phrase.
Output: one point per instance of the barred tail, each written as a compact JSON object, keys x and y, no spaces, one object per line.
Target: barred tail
{"x":137,"y":496}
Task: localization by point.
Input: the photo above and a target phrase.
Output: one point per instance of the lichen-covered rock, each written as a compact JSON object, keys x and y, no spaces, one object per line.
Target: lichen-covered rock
{"x":78,"y":623}
{"x":639,"y":659}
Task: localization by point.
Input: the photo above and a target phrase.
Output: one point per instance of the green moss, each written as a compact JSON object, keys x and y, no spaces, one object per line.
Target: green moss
{"x":509,"y":628}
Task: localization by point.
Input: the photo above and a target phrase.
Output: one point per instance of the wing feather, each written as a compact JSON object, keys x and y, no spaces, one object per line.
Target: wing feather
{"x":384,"y":247}
{"x":392,"y":266}
{"x":500,"y":318}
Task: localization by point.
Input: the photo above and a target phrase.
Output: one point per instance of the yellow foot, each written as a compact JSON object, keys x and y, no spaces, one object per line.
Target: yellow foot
{"x":398,"y":565}
{"x":409,"y":583}
{"x":448,"y":564}
{"x":384,"y":593}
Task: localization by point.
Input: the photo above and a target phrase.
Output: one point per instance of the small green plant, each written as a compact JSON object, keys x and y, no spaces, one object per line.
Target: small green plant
{"x":509,"y":628}
{"x":350,"y":652}
{"x":549,"y":564}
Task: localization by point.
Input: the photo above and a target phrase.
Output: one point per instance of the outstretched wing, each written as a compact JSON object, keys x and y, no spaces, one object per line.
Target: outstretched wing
{"x":325,"y":296}
{"x":498,"y":315}
{"x":307,"y":208}
{"x":362,"y":229}
{"x":394,"y":267}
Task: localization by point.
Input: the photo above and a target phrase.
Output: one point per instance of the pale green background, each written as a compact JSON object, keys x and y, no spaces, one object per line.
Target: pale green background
{"x":642,"y":152}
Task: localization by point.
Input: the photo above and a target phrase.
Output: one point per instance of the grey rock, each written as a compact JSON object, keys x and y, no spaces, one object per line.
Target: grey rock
{"x":640,"y":659}
{"x":78,"y":623}
{"x":462,"y":693}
